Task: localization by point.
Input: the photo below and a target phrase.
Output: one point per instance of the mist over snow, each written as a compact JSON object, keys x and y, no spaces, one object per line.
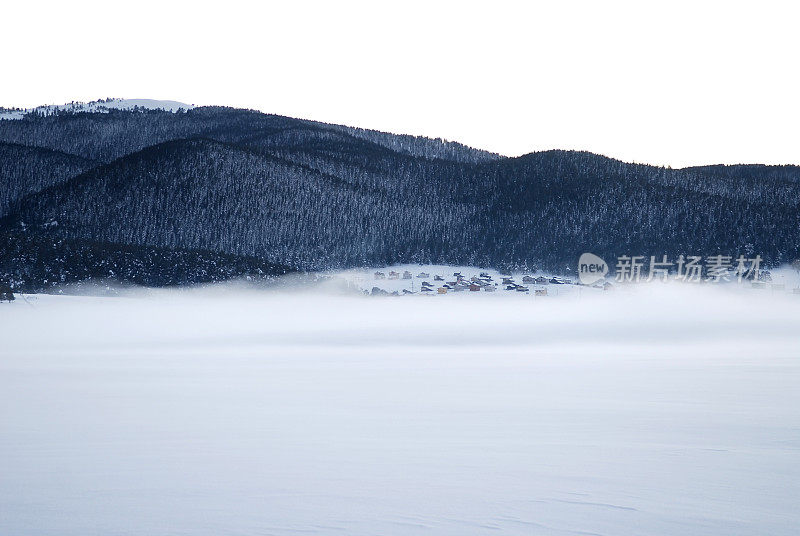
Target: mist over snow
{"x":326,"y":314}
{"x":653,"y":409}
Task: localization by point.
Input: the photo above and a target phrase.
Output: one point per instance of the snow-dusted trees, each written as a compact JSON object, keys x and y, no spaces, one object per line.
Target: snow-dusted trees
{"x":25,"y":170}
{"x":311,"y":196}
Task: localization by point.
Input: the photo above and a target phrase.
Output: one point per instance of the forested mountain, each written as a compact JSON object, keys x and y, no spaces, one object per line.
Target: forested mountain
{"x":234,"y":184}
{"x":108,"y":136}
{"x":36,"y":259}
{"x":24,"y":170}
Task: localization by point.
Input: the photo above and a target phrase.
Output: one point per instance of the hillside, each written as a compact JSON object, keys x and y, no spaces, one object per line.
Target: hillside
{"x":309,"y":196}
{"x":118,"y":132}
{"x":41,"y":259}
{"x":25,"y":170}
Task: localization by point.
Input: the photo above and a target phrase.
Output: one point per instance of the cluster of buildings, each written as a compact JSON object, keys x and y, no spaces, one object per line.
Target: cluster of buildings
{"x":482,"y":282}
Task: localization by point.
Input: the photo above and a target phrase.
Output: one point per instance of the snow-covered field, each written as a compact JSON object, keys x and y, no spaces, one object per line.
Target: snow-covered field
{"x":660,"y":410}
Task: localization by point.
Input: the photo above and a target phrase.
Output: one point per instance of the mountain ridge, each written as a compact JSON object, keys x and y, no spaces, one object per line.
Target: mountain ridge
{"x":311,"y":196}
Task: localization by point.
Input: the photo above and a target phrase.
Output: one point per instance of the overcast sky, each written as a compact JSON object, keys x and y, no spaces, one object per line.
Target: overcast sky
{"x":668,"y":83}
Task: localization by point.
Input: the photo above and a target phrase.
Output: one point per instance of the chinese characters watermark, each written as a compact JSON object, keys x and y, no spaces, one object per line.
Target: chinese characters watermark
{"x":687,"y":269}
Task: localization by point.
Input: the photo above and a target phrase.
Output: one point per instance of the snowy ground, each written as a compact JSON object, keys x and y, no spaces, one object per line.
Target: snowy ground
{"x":658,"y":411}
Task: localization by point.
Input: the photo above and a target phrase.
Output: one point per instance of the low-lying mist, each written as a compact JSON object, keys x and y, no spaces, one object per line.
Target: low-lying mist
{"x":328,"y":313}
{"x":234,"y":409}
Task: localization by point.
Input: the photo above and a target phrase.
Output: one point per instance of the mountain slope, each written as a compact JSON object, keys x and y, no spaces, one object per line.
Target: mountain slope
{"x":24,"y":170}
{"x":38,"y":259}
{"x":108,"y":136}
{"x":573,"y":202}
{"x":201,"y":194}
{"x":243,"y":185}
{"x":302,"y":210}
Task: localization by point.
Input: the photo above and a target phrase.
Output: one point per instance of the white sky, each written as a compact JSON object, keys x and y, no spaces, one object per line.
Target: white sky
{"x":673,"y":83}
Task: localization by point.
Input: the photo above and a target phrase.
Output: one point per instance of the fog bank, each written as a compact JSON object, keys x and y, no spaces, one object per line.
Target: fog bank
{"x":655,"y":410}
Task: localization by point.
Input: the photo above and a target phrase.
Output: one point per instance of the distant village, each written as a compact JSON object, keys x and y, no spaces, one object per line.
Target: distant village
{"x":483,"y":282}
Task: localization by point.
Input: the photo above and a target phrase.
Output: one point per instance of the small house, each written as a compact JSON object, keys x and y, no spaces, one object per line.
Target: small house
{"x":442,"y":290}
{"x":474,"y":288}
{"x":512,"y":286}
{"x":423,"y":275}
{"x":540,"y":292}
{"x":541,"y":280}
{"x":427,"y":289}
{"x":394,"y":275}
{"x":520,"y":288}
{"x":438,"y":278}
{"x":508,"y":280}
{"x":380,"y":275}
{"x":406,"y":275}
{"x":528,"y":279}
{"x":489,"y":288}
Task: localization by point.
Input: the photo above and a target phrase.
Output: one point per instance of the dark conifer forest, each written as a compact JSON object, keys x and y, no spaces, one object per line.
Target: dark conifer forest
{"x":159,"y":198}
